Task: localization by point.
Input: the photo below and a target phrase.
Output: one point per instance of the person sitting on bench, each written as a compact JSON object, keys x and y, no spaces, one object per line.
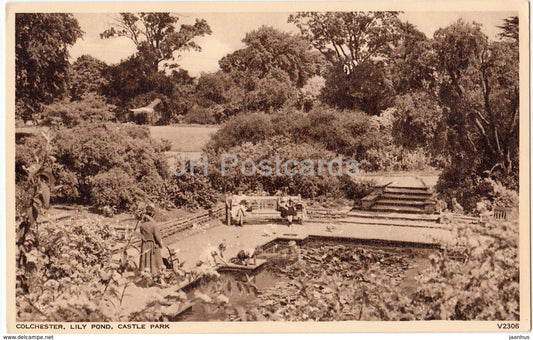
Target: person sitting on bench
{"x":287,"y":209}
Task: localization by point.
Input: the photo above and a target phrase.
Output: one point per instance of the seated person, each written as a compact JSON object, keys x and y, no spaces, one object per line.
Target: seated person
{"x":287,"y":209}
{"x":238,"y":209}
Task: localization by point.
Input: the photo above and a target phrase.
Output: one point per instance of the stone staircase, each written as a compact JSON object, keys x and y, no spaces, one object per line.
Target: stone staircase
{"x":395,"y":198}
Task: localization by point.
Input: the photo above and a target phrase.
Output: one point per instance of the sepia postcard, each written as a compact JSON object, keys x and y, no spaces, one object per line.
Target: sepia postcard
{"x":267,"y":167}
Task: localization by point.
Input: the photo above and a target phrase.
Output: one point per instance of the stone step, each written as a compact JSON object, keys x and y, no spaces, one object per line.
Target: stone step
{"x":388,"y":195}
{"x":392,"y":216}
{"x":392,"y":222}
{"x":407,"y":191}
{"x":395,"y":208}
{"x":406,"y":203}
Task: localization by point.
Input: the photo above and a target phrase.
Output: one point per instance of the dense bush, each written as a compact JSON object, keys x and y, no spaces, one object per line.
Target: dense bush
{"x":306,"y":181}
{"x":355,"y":188}
{"x":417,"y":119}
{"x":476,"y":277}
{"x":63,"y":274}
{"x":102,"y":164}
{"x":112,"y":167}
{"x":90,"y":108}
{"x":190,"y":191}
{"x":251,"y":127}
{"x":474,"y":189}
{"x":349,"y":133}
{"x":395,"y":158}
{"x":200,"y":115}
{"x":114,"y":188}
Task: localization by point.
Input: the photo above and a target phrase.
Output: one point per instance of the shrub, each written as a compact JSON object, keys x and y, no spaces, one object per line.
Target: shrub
{"x":70,"y":275}
{"x":345,"y":132}
{"x":251,"y":127}
{"x":395,"y":158}
{"x":349,"y":133}
{"x":120,"y":156}
{"x":200,"y":115}
{"x":501,"y":195}
{"x":190,"y":191}
{"x":114,"y":188}
{"x":30,"y":151}
{"x":474,"y":189}
{"x":355,"y":188}
{"x":91,"y":108}
{"x":308,"y":184}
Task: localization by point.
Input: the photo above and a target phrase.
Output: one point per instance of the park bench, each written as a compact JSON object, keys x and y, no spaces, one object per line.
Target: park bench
{"x":262,"y":208}
{"x":500,"y":213}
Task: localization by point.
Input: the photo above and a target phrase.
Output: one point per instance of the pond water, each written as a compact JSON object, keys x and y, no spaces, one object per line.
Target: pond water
{"x":319,"y":280}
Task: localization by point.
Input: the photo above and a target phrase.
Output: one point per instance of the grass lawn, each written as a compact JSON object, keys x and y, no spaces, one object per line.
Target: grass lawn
{"x":184,"y":138}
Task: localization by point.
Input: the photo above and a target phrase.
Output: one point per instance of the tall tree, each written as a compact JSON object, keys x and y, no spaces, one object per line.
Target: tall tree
{"x":479,"y":93}
{"x":133,"y":83}
{"x":358,"y":46}
{"x":412,"y":61}
{"x":86,"y":75}
{"x":349,"y":37}
{"x":156,"y":36}
{"x":271,"y":67}
{"x":367,"y":87}
{"x":41,"y":59}
{"x":509,"y":28}
{"x":268,"y":48}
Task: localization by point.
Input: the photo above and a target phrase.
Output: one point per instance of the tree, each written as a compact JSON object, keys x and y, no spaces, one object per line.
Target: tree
{"x":358,"y":46}
{"x":311,"y":91}
{"x":86,"y":75}
{"x":138,"y":80}
{"x":479,"y":93}
{"x":271,"y":67}
{"x":156,"y":37}
{"x":367,"y":87}
{"x":219,"y":89}
{"x":412,"y":62}
{"x":349,"y":37}
{"x":268,"y":48}
{"x":510,"y":28}
{"x":41,"y":59}
{"x":132,"y":84}
{"x":417,"y":121}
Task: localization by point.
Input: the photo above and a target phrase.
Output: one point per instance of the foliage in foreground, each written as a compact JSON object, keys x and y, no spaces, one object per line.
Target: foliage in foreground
{"x":476,"y":277}
{"x":70,"y":276}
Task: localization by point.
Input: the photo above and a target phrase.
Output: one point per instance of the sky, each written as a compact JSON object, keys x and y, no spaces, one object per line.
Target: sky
{"x":230,"y":28}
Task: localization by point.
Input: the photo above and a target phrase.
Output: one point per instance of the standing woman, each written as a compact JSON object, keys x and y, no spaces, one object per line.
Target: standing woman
{"x":152,"y":243}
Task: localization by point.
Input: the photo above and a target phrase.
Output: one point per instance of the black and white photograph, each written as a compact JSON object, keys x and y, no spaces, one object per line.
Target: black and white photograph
{"x":208,"y":164}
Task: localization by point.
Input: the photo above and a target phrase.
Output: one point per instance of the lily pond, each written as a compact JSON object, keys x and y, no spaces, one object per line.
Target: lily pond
{"x":320,"y":280}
